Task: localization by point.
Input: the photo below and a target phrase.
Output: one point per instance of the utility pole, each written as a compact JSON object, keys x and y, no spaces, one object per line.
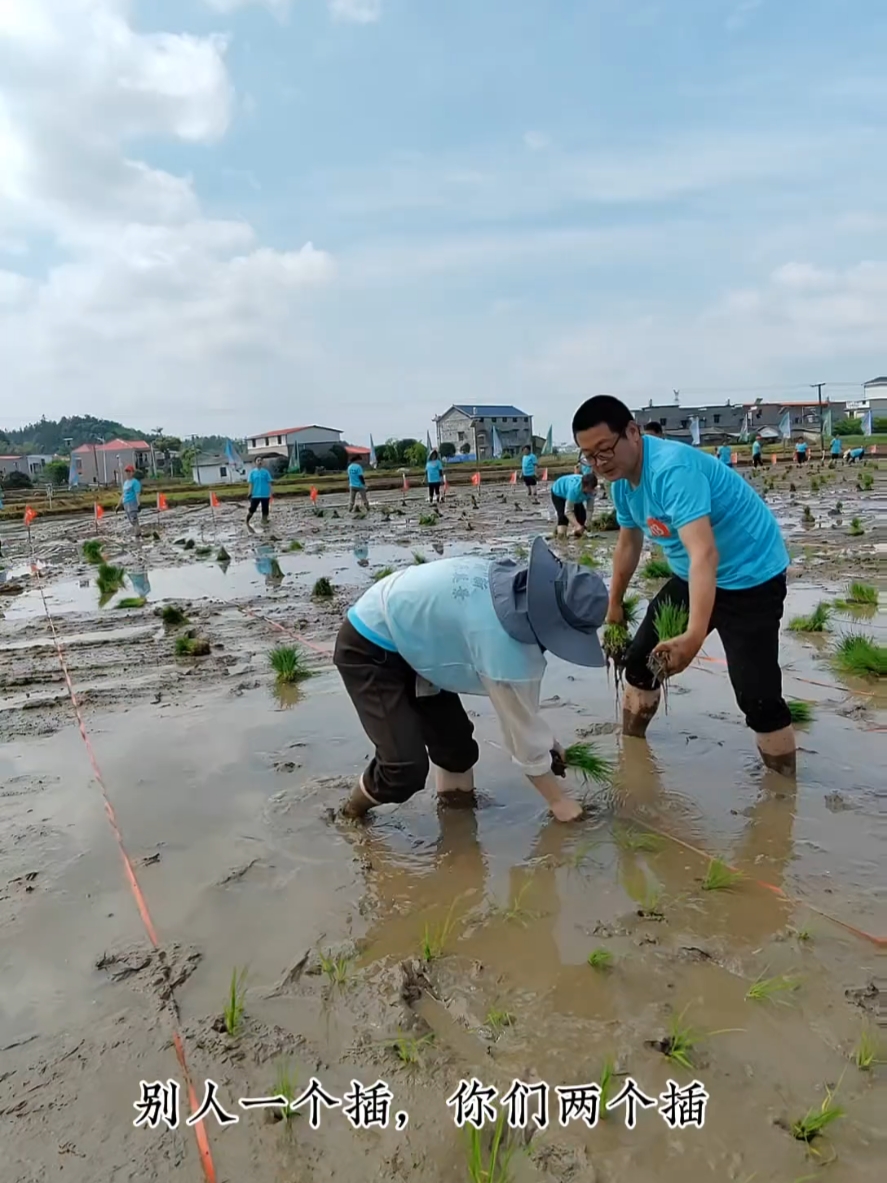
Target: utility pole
{"x":817,"y":386}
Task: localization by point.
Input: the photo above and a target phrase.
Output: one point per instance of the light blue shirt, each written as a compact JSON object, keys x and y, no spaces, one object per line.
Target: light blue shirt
{"x":131,"y":490}
{"x":260,"y":483}
{"x":836,"y":447}
{"x":440,"y":618}
{"x":355,"y":476}
{"x":801,"y":447}
{"x":679,"y":485}
{"x":434,"y":472}
{"x":569,"y":487}
{"x":756,"y":448}
{"x":856,"y":453}
{"x":725,"y":453}
{"x":528,"y":464}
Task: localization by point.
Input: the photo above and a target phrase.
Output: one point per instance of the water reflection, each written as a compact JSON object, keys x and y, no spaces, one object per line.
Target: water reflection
{"x":362,"y":552}
{"x":268,"y":565}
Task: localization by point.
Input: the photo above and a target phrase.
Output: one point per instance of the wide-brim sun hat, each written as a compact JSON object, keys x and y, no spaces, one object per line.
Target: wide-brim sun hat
{"x":566,"y":605}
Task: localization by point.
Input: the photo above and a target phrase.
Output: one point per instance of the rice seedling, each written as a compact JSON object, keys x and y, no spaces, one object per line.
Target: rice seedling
{"x":428,"y":519}
{"x":493,"y":1164}
{"x":288,"y":664}
{"x":631,"y":605}
{"x":615,"y":644}
{"x":294,"y":546}
{"x":865,"y":482}
{"x":92,"y":551}
{"x":286,"y":1086}
{"x":814,"y":485}
{"x":498,"y":1019}
{"x":656,"y":568}
{"x":720,"y":877}
{"x":189,"y":544}
{"x":803,"y":935}
{"x":336,"y":966}
{"x":172,"y":615}
{"x":222,"y":556}
{"x":680,"y":1043}
{"x":131,"y":602}
{"x":600,"y":959}
{"x":766,"y":989}
{"x":434,"y":938}
{"x":606,"y":521}
{"x":588,"y":560}
{"x":862,"y":593}
{"x":419,"y":558}
{"x":807,"y":516}
{"x":234,"y":1005}
{"x":587,"y":761}
{"x":800,"y":711}
{"x":317,"y":511}
{"x":839,"y":506}
{"x":516,"y":913}
{"x":856,"y":529}
{"x":633,"y":840}
{"x":868,"y":1051}
{"x":608,"y":1074}
{"x":860,"y":656}
{"x":408,"y":1048}
{"x":383,"y":574}
{"x":323,"y":589}
{"x":815,"y":1121}
{"x":109,"y":580}
{"x":520,"y":551}
{"x":651,"y":906}
{"x":192,"y":647}
{"x":670,"y":621}
{"x":792,"y":487}
{"x":816,"y":622}
{"x":203,"y":551}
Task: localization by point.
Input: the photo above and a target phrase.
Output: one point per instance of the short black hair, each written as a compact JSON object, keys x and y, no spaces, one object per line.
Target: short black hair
{"x":603,"y":408}
{"x":589,"y":480}
{"x":653,"y":427}
{"x":527,"y":448}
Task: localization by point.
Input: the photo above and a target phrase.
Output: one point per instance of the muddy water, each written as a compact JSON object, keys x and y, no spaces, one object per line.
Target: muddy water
{"x":222,"y":790}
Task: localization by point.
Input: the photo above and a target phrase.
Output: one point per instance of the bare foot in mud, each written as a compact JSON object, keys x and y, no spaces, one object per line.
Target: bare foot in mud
{"x":568,"y":810}
{"x":457,"y":798}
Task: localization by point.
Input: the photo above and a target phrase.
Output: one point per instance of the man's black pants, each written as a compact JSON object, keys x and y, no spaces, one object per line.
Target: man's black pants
{"x":748,"y":624}
{"x":560,"y":508}
{"x":254,"y":503}
{"x":405,"y":730}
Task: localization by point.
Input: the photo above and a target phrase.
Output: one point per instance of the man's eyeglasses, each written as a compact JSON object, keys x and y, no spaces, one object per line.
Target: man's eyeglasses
{"x":602,"y":455}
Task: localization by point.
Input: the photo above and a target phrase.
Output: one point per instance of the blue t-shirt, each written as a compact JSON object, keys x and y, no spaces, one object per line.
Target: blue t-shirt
{"x":434,"y":472}
{"x":260,"y":483}
{"x":440,"y":618}
{"x":355,"y":476}
{"x":528,"y":464}
{"x":756,"y":448}
{"x":569,"y":487}
{"x":801,"y":447}
{"x":725,"y":453}
{"x":679,"y":485}
{"x":131,"y":490}
{"x":836,"y":447}
{"x":856,"y":453}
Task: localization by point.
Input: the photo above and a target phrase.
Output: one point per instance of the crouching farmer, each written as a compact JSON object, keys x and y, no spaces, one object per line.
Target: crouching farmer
{"x":425,"y":635}
{"x":569,"y":494}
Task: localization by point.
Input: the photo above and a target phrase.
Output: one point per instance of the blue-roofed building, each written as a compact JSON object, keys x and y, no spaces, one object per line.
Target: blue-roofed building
{"x":469,"y":428}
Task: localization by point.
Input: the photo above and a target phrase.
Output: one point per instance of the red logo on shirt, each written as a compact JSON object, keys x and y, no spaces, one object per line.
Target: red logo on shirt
{"x":658,"y":529}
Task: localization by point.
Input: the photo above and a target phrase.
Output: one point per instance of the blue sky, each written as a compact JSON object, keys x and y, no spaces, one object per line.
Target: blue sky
{"x":509,"y":202}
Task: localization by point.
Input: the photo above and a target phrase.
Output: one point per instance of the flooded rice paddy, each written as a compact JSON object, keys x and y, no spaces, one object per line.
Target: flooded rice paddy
{"x":430,"y":946}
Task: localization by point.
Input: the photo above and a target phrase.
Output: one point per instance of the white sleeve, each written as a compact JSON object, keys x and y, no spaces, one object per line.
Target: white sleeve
{"x":527,"y":736}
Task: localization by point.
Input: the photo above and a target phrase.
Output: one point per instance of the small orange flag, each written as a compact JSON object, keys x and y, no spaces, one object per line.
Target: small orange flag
{"x":406,"y":483}
{"x":313,"y":494}
{"x":545,"y":474}
{"x":30,"y":514}
{"x":475,"y":480}
{"x":162,"y":503}
{"x":773,"y":458}
{"x":514,"y":478}
{"x":214,"y":501}
{"x":99,"y":512}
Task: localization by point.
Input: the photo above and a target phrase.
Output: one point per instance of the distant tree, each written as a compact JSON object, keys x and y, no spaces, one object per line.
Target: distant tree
{"x":336,"y":459}
{"x":846,"y":427}
{"x":386,"y":455}
{"x":308,"y":460}
{"x":277,"y":466}
{"x":16,"y":480}
{"x":447,"y":450}
{"x":416,"y":455}
{"x":56,"y":473}
{"x":188,"y":458}
{"x":465,"y":448}
{"x":879,"y":426}
{"x":403,"y":447}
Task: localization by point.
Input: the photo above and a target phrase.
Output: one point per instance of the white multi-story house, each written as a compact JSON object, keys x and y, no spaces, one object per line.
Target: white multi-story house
{"x":469,"y":428}
{"x":288,"y":442}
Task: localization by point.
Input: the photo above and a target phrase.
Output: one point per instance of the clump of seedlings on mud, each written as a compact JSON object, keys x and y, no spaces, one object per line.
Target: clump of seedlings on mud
{"x":188,"y":646}
{"x":92,"y":551}
{"x":222,"y":556}
{"x":800,"y":711}
{"x":859,"y":595}
{"x":865,"y":482}
{"x":383,"y":574}
{"x":606,"y":521}
{"x":636,"y":841}
{"x":816,"y":1120}
{"x":816,"y":622}
{"x":419,"y":558}
{"x":131,"y":602}
{"x":498,"y":1019}
{"x":515,"y":912}
{"x":868,"y":1052}
{"x":172,"y":616}
{"x":860,"y":656}
{"x":288,"y":664}
{"x":720,"y":877}
{"x":600,"y":958}
{"x":235,"y":1003}
{"x":408,"y":1048}
{"x":656,"y":567}
{"x":771,"y":989}
{"x":428,"y":519}
{"x":490,"y":1163}
{"x":109,"y":580}
{"x":323,"y":589}
{"x":295,"y":546}
{"x":585,"y":759}
{"x":285,"y":1086}
{"x":856,"y":530}
{"x":680,"y":1043}
{"x":435,"y":937}
{"x":336,"y":966}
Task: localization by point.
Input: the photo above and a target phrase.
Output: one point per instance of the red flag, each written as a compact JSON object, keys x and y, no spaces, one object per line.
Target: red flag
{"x":446,"y":483}
{"x":99,"y":512}
{"x":313,"y":494}
{"x":214,"y":501}
{"x":30,"y":514}
{"x":514,"y":477}
{"x":773,"y":458}
{"x":162,"y":503}
{"x":406,"y":483}
{"x":475,"y":480}
{"x":545,"y":474}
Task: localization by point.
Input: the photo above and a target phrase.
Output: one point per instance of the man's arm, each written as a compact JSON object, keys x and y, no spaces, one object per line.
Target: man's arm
{"x":626,"y":557}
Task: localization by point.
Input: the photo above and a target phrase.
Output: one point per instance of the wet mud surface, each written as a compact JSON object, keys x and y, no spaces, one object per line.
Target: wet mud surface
{"x":224,"y":791}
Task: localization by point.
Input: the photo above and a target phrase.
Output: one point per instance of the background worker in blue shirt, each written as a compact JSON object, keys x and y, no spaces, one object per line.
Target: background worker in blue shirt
{"x":259,"y":491}
{"x":434,"y":476}
{"x":528,"y":462}
{"x":801,"y":451}
{"x":836,"y":449}
{"x":129,"y":498}
{"x":357,"y":489}
{"x":729,"y":562}
{"x":756,"y":458}
{"x":725,"y":454}
{"x":569,"y":493}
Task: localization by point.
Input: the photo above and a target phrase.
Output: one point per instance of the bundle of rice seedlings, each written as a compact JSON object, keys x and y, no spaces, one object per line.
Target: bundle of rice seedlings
{"x":295,"y":546}
{"x":862,"y":593}
{"x":223,"y":556}
{"x":606,"y":521}
{"x":92,"y":551}
{"x":288,"y":664}
{"x":860,"y":656}
{"x":856,"y":530}
{"x":800,"y":711}
{"x":383,"y":574}
{"x":865,"y":482}
{"x":418,"y":557}
{"x":172,"y":615}
{"x":816,"y":622}
{"x":131,"y":602}
{"x":192,"y":647}
{"x":323,"y":589}
{"x":589,"y":763}
{"x":109,"y":580}
{"x":656,"y":568}
{"x":428,"y":519}
{"x":276,"y":570}
{"x":203,"y":551}
{"x":670,"y":621}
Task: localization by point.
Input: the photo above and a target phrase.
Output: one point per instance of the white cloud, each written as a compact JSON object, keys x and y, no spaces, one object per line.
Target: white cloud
{"x":146,"y":301}
{"x":358,"y":12}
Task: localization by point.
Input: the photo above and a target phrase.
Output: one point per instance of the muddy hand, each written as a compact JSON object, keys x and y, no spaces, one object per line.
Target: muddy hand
{"x":676,"y":655}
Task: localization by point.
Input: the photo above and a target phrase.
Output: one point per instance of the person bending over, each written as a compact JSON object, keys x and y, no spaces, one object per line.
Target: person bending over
{"x":569,"y":495}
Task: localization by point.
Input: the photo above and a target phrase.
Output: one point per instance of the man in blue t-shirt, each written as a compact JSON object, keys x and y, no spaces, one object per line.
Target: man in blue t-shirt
{"x":357,"y":488}
{"x":434,"y":476}
{"x":569,"y":493}
{"x":801,"y":452}
{"x":259,"y":491}
{"x":528,"y":462}
{"x":129,"y":498}
{"x":836,"y":449}
{"x":729,"y":565}
{"x":756,"y":458}
{"x":725,"y":454}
